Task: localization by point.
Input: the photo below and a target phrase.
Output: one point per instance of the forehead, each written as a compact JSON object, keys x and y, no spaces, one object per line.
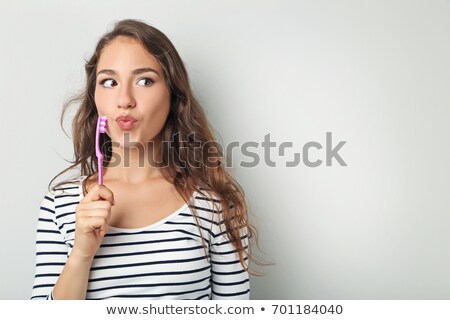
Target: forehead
{"x":124,"y":54}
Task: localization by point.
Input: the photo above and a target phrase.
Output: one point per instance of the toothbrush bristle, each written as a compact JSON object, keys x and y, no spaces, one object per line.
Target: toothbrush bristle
{"x":102,"y":126}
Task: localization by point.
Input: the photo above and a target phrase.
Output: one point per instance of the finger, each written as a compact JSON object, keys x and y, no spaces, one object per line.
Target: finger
{"x":93,"y":209}
{"x":103,"y":230}
{"x":99,"y":192}
{"x":101,"y":205}
{"x":86,"y":214}
{"x":90,"y":224}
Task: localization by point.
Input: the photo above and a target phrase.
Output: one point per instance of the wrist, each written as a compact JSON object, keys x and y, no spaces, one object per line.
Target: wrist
{"x":80,"y":257}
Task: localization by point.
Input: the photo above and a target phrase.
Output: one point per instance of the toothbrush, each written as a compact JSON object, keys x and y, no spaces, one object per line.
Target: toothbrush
{"x":101,"y":128}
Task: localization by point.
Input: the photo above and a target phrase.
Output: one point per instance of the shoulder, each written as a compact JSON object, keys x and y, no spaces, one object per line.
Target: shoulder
{"x":68,"y":191}
{"x":206,"y":204}
{"x":207,"y":201}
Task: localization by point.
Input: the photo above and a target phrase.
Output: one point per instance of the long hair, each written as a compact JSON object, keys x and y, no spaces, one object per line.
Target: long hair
{"x":185,"y":127}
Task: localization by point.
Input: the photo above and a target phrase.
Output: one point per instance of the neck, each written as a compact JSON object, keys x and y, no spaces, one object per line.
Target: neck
{"x":134,"y":163}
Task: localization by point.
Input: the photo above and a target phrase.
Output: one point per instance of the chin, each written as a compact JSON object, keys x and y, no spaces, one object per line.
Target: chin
{"x":127,"y":141}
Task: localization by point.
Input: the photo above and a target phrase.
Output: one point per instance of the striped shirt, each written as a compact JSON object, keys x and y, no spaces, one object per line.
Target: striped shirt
{"x":165,"y":260}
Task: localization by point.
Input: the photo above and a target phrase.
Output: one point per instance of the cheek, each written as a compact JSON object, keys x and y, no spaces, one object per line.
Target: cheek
{"x":97,"y":98}
{"x":156,"y":113}
{"x":100,"y":100}
{"x":163,"y":109}
{"x":156,"y":104}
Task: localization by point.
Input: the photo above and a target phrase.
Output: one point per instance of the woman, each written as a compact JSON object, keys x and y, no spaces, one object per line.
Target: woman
{"x":168,"y":222}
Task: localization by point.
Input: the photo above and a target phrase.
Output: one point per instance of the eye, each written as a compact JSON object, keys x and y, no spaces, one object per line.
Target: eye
{"x":108,"y":83}
{"x":146,"y":82}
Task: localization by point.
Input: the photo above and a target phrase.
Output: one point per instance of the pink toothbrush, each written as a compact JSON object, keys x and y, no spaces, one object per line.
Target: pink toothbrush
{"x":101,"y":128}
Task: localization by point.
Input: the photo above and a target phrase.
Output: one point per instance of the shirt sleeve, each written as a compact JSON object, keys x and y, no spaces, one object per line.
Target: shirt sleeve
{"x":51,"y":251}
{"x":230,"y":280}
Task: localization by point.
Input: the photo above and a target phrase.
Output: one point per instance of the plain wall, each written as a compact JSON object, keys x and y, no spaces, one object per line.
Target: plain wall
{"x":375,"y":74}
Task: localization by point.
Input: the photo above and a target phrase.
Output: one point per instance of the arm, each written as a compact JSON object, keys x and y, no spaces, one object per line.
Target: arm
{"x":73,"y":281}
{"x":91,"y":224}
{"x":51,"y":251}
{"x":58,"y":276}
{"x":229,"y":278}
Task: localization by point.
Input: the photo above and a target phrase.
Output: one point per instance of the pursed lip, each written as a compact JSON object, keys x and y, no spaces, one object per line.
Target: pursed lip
{"x":126,"y":119}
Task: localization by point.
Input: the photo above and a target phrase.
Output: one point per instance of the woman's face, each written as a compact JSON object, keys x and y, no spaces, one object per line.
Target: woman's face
{"x":130,"y":83}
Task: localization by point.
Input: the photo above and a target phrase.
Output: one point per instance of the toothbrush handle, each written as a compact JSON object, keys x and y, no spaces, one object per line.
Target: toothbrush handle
{"x":100,"y":170}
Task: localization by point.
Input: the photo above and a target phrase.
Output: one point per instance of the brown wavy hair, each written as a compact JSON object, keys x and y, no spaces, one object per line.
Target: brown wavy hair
{"x":185,"y":127}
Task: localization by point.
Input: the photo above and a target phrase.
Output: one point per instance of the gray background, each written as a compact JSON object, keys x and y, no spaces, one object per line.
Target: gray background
{"x":374,"y":73}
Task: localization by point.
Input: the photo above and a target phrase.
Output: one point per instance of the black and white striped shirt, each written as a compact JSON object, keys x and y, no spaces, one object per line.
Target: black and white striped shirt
{"x":166,"y":260}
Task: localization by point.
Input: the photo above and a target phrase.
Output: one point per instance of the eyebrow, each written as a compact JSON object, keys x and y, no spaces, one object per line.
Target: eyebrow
{"x":135,"y":71}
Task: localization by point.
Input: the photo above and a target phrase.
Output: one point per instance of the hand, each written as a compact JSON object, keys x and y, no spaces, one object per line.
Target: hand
{"x":91,"y":221}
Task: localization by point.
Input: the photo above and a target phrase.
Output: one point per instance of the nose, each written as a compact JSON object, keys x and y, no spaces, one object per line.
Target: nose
{"x":126,"y":98}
